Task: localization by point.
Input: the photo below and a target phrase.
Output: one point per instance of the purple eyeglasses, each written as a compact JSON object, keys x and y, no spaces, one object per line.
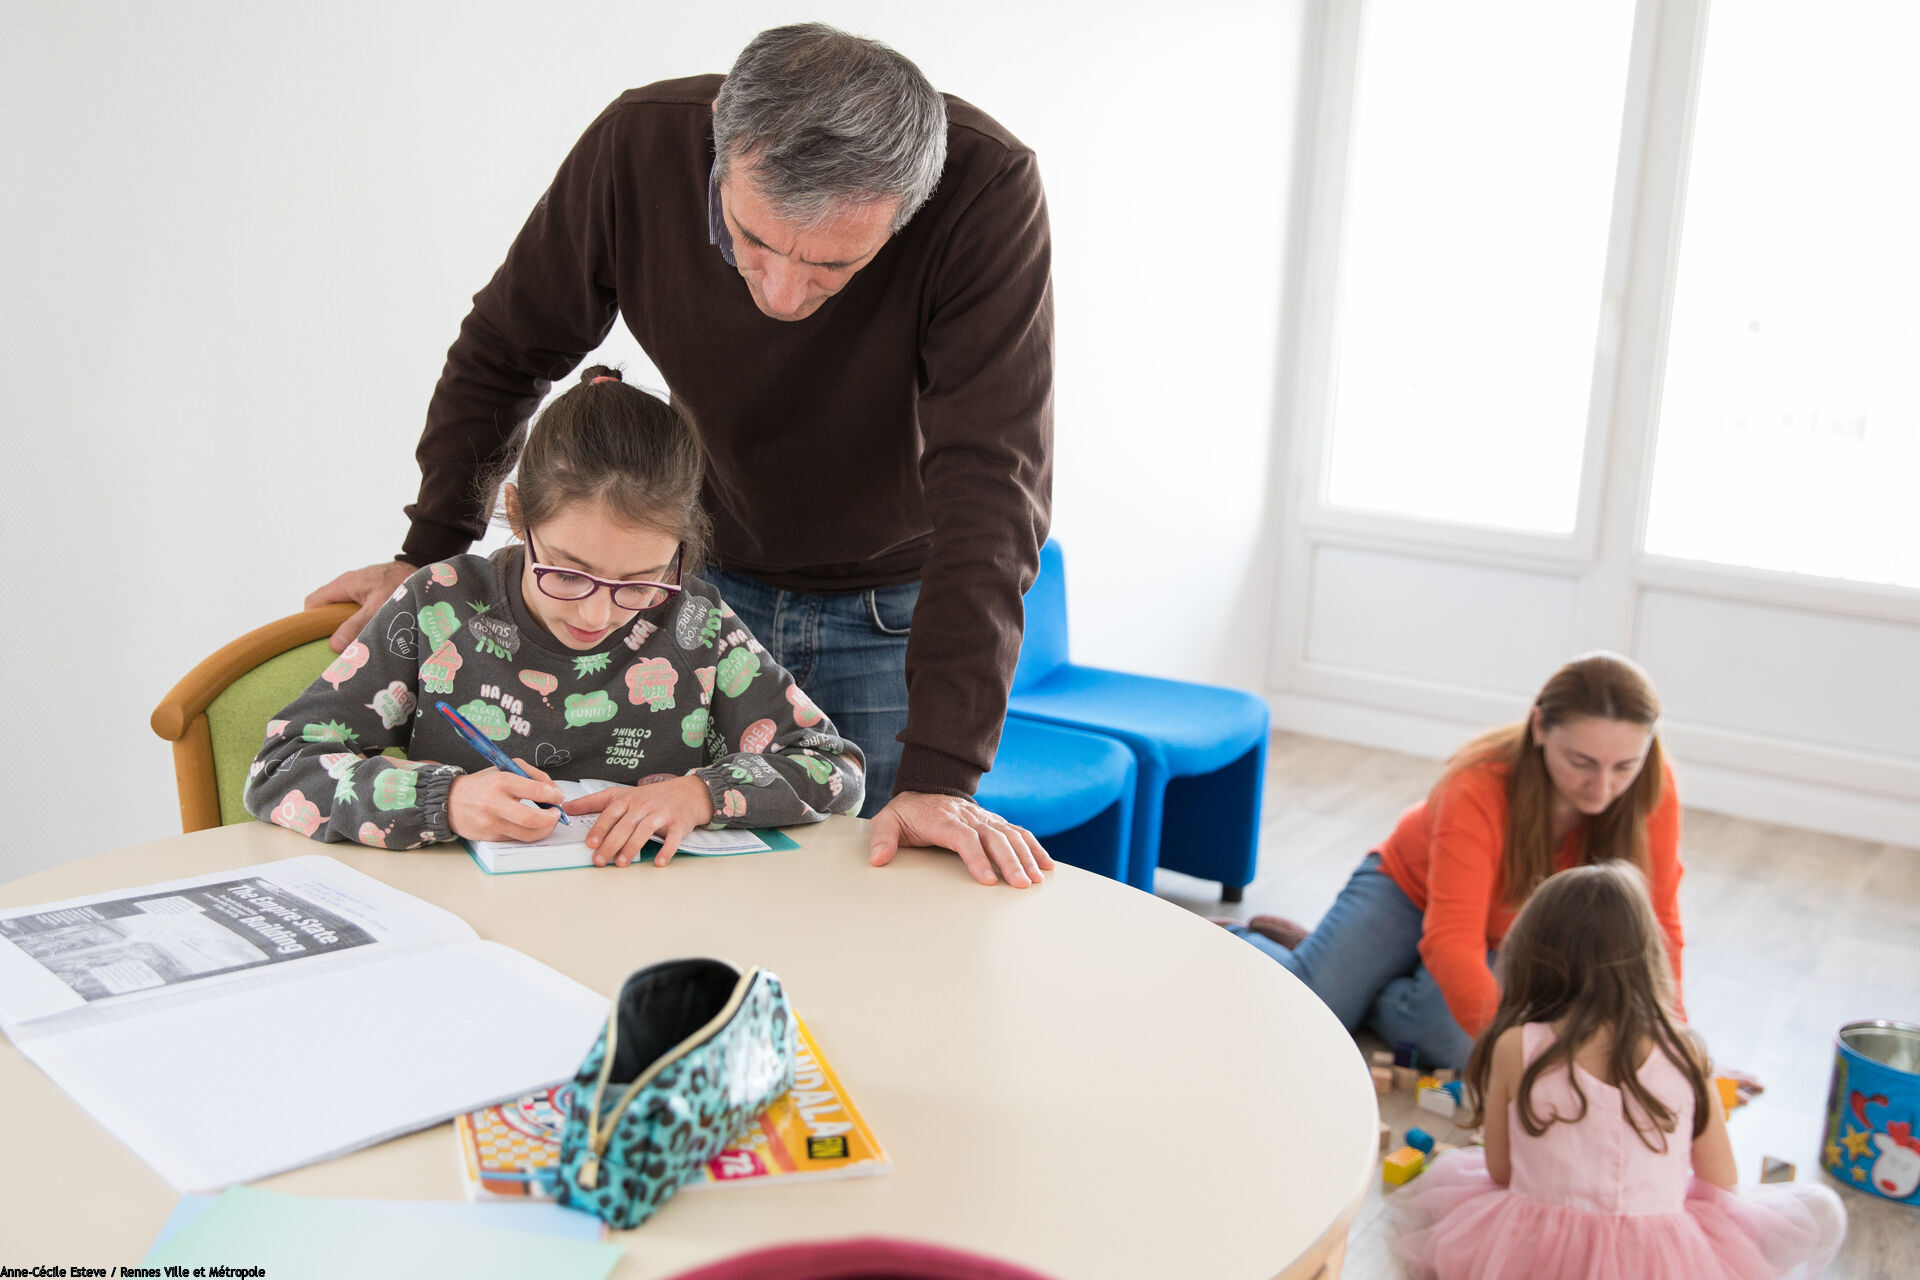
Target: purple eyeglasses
{"x":572,"y":584}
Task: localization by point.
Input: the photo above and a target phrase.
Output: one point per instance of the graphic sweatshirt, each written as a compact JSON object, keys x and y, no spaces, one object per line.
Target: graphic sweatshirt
{"x":683,"y":689}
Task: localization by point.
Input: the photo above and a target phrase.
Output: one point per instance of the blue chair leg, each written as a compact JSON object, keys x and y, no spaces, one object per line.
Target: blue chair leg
{"x":1149,"y":811}
{"x":1214,"y":821}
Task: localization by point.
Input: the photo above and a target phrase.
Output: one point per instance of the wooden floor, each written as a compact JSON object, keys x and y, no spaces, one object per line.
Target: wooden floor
{"x":1789,"y":935}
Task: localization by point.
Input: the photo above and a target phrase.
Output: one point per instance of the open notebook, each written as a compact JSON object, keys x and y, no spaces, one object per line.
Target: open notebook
{"x":566,"y":846}
{"x":232,"y":1025}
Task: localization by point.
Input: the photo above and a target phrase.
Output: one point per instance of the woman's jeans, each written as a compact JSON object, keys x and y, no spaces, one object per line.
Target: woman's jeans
{"x":1363,"y":961}
{"x":847,"y":652}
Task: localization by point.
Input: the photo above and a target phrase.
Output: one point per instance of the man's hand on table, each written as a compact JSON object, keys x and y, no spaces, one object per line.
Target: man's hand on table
{"x":985,"y":841}
{"x":368,"y":588}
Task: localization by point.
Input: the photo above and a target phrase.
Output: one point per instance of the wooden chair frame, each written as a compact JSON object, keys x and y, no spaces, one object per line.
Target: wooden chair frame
{"x":181,"y":717}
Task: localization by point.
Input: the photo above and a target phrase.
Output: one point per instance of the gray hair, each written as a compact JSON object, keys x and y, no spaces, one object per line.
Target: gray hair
{"x":828,"y":119}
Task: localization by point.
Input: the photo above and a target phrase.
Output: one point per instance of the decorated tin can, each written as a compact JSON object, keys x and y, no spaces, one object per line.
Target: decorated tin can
{"x":1873,"y":1110}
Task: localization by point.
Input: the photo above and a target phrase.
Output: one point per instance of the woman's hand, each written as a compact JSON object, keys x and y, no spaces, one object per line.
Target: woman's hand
{"x":486,"y":805}
{"x":631,"y":816}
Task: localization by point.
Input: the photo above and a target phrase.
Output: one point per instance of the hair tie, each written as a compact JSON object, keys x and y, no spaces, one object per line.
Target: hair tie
{"x":605,"y":377}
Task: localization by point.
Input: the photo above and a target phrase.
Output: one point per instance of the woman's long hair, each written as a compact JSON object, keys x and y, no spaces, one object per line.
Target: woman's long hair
{"x":1588,"y":949}
{"x":1603,"y":686}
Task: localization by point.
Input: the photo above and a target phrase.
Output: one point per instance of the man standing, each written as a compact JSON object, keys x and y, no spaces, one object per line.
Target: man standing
{"x":845,"y":279}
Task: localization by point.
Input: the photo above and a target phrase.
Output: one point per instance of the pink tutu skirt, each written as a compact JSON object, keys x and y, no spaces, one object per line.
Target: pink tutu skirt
{"x":1456,"y":1223}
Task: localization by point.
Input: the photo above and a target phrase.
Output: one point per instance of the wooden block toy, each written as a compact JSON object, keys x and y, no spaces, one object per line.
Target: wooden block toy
{"x":1420,"y":1140}
{"x":1386,"y":1138}
{"x":1404,"y":1077}
{"x":1381,"y":1057}
{"x":1438,"y":1101}
{"x":1457,"y":1088}
{"x":1446,"y":1075}
{"x":1729,"y":1093}
{"x":1429,"y":1082}
{"x":1402,"y":1166}
{"x":1774,"y":1169}
{"x":1404,"y":1055}
{"x":1382,"y":1080}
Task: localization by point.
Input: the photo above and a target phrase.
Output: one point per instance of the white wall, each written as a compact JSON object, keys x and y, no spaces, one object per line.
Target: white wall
{"x":240,"y":237}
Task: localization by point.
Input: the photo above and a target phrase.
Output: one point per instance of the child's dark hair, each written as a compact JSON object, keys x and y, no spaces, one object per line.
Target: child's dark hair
{"x":1587,"y":948}
{"x":606,"y":442}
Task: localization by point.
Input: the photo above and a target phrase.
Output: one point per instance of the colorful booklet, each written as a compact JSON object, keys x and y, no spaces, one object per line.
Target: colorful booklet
{"x":566,"y":846}
{"x":512,"y":1151}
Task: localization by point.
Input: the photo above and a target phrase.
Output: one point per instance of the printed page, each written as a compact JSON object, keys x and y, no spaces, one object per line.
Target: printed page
{"x":265,"y":1079}
{"x":131,"y":945}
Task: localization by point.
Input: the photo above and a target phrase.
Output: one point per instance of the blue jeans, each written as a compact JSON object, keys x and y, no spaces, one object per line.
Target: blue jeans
{"x":1363,"y":961}
{"x":847,"y":652}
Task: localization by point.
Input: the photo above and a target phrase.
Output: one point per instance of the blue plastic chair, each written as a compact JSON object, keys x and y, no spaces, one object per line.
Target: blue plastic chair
{"x":1201,"y":750}
{"x":1074,"y":790}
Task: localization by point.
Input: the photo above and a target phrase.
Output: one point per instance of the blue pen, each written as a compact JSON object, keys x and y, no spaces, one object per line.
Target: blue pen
{"x":492,"y":754}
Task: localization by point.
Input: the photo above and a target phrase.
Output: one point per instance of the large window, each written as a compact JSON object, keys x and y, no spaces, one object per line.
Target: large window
{"x":1789,"y":422}
{"x":1480,"y":177}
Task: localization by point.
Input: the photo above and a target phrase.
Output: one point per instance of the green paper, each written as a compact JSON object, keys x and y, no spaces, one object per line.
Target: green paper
{"x":302,"y":1237}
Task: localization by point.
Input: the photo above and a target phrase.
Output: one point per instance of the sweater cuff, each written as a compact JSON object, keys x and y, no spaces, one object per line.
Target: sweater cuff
{"x":431,"y":793}
{"x":719,"y":781}
{"x":935,"y":772}
{"x":428,"y":541}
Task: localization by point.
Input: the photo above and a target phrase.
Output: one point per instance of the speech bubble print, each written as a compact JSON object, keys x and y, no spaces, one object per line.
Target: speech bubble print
{"x":372,"y":836}
{"x":656,"y":777}
{"x":547,"y":757}
{"x":436,"y":673}
{"x":296,"y":813}
{"x":694,"y":728}
{"x":590,"y":664}
{"x":394,"y":704}
{"x":495,"y":637}
{"x":650,"y":683}
{"x":339,"y":764}
{"x":834,"y":785}
{"x":398,"y":592}
{"x":438,"y":623}
{"x":331,"y":731}
{"x":342,"y":668}
{"x":737,"y":671}
{"x":276,"y":727}
{"x":401,"y":637}
{"x":822,"y":742}
{"x":817,"y":768}
{"x":443,"y":574}
{"x":487,"y":718}
{"x":732,"y":804}
{"x":689,"y":625}
{"x":642,"y":631}
{"x":753,"y":770}
{"x":396,"y":789}
{"x":705,"y":676}
{"x":758,"y":736}
{"x":589,"y":708}
{"x":804,"y":712}
{"x":541,"y":683}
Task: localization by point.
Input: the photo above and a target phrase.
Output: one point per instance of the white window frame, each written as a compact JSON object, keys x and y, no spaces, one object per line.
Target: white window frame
{"x":1603,"y":552}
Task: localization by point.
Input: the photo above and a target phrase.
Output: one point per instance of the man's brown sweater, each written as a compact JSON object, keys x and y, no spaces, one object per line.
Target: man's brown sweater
{"x":903,"y":431}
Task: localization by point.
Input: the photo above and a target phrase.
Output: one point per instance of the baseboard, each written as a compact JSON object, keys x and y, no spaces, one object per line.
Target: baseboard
{"x":1715,"y":787}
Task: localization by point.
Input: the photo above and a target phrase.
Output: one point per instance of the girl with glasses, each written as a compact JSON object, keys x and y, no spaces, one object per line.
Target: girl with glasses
{"x":588,"y":649}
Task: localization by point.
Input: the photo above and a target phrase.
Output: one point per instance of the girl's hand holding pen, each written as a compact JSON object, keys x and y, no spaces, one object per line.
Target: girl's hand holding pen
{"x":486,"y":805}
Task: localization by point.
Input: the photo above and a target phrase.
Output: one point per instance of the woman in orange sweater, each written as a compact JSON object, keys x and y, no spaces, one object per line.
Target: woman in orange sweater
{"x":1408,"y":946}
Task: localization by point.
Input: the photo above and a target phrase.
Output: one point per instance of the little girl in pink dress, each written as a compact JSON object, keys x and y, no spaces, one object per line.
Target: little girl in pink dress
{"x":1606,"y":1157}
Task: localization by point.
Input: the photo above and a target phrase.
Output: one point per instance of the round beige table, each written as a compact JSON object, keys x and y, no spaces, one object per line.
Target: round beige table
{"x":1080,"y":1078}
